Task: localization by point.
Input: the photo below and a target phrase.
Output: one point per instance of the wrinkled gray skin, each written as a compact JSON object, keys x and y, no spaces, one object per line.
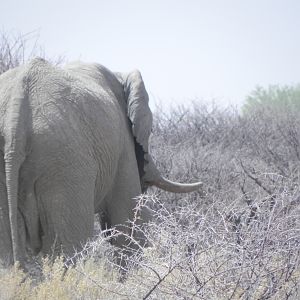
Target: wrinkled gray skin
{"x":73,"y":142}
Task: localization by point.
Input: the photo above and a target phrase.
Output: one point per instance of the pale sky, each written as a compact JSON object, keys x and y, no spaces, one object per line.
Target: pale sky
{"x":186,"y":50}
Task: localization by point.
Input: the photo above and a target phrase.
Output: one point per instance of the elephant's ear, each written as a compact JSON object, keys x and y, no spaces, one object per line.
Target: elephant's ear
{"x":138,"y":110}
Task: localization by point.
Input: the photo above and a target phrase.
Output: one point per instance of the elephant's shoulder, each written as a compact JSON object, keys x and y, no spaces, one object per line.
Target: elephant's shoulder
{"x":98,"y":74}
{"x":94,"y":70}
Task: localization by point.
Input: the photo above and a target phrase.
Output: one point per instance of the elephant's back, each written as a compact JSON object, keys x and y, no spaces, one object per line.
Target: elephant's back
{"x":73,"y":120}
{"x":66,"y":105}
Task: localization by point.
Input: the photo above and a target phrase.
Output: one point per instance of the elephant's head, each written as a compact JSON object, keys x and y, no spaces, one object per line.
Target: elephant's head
{"x":140,"y":115}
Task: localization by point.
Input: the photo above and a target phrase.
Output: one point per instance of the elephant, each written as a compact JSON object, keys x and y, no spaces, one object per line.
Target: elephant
{"x":74,"y":142}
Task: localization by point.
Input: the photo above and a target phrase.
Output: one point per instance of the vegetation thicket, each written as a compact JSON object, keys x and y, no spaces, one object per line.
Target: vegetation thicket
{"x":239,"y":240}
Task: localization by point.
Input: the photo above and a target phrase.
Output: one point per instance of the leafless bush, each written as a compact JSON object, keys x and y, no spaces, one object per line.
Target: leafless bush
{"x":16,"y":49}
{"x":224,"y":252}
{"x":250,"y":166}
{"x":221,"y":252}
{"x":211,"y":144}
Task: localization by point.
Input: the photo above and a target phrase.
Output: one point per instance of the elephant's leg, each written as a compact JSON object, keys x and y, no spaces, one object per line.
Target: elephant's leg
{"x":66,"y":205}
{"x":121,"y":204}
{"x":104,"y":222}
{"x":29,"y":210}
{"x":5,"y":238}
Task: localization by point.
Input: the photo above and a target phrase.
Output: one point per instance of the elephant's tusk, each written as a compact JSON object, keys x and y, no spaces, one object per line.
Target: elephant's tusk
{"x":175,"y":187}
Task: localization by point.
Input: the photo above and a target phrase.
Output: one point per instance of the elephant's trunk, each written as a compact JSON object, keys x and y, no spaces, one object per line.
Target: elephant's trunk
{"x":153,"y":177}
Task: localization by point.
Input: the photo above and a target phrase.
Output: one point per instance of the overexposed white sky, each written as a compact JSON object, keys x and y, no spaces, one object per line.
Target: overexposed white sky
{"x":194,"y":49}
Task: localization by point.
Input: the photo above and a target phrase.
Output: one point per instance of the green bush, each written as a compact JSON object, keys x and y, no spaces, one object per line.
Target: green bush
{"x":274,"y":97}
